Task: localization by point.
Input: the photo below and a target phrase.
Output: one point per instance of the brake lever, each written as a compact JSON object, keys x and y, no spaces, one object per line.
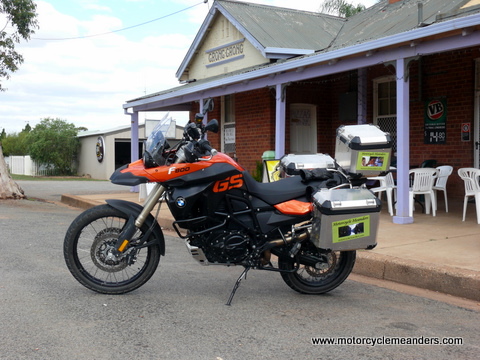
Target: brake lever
{"x":213,"y":152}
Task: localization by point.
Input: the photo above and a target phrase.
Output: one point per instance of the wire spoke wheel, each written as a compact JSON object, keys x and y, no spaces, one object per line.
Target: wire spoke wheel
{"x":88,"y":247}
{"x":330,"y":271}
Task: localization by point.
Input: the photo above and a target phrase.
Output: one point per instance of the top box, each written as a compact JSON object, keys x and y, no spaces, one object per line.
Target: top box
{"x":363,"y":149}
{"x":292,"y":164}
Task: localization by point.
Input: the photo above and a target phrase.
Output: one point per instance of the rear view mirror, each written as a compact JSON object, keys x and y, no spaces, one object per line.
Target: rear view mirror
{"x":208,"y":105}
{"x":212,"y":126}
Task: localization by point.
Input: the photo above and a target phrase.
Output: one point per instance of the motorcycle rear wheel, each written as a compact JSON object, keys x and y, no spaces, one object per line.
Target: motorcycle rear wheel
{"x":310,"y":280}
{"x":86,"y":246}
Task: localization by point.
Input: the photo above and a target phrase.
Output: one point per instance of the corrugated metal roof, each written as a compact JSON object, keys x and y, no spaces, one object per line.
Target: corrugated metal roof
{"x":384,"y":19}
{"x":277,"y":27}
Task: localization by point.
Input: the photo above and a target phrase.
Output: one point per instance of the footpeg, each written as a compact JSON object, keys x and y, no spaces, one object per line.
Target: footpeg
{"x":295,"y":249}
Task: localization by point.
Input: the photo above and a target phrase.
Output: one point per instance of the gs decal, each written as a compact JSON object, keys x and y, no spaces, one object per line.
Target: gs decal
{"x":232,"y":182}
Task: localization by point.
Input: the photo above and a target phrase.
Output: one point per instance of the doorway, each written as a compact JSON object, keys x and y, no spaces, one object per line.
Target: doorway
{"x":476,"y":117}
{"x":303,"y":129}
{"x":123,"y":152}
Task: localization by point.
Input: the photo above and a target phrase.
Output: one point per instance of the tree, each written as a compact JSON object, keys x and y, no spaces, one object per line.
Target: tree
{"x":9,"y":189}
{"x":54,"y":143}
{"x":16,"y":144}
{"x":341,"y":8}
{"x":21,"y":20}
{"x":21,"y":15}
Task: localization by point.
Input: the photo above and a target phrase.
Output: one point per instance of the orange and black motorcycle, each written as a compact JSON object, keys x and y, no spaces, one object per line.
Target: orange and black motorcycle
{"x":223,"y":214}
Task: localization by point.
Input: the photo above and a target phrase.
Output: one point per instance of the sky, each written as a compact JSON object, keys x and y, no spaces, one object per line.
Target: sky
{"x":89,"y":57}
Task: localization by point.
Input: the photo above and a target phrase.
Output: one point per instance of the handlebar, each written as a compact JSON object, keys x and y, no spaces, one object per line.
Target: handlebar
{"x":196,"y":146}
{"x":204,"y":145}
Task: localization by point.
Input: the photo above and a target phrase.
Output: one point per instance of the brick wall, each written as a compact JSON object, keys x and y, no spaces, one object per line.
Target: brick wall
{"x":254,"y":126}
{"x":449,"y":75}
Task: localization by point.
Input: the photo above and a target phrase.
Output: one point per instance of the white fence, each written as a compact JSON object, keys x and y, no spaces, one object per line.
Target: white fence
{"x":24,"y":165}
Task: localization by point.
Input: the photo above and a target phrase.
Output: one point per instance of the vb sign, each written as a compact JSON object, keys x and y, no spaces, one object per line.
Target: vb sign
{"x":436,"y":121}
{"x":435,"y":110}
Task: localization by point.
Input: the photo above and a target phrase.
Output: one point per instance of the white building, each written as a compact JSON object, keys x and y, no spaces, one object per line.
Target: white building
{"x":103,"y":151}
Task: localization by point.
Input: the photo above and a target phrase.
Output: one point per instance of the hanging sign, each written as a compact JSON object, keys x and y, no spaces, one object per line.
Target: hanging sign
{"x":436,"y":121}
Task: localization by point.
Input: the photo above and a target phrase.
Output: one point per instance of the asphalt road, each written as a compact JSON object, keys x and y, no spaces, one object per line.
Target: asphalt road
{"x":52,"y":190}
{"x":181,"y":314}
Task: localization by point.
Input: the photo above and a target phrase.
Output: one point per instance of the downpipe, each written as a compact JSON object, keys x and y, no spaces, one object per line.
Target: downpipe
{"x":315,"y":262}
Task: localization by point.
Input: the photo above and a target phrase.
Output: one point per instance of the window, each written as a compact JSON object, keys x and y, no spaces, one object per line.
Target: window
{"x":228,"y":125}
{"x":385,"y":106}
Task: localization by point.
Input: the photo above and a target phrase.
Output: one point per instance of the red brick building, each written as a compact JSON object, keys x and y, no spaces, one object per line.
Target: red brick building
{"x":288,"y":84}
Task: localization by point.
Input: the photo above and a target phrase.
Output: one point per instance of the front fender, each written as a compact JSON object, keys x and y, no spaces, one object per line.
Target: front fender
{"x":134,"y":209}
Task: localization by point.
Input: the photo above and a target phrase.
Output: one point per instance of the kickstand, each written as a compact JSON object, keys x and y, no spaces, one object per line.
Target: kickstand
{"x":242,"y":276}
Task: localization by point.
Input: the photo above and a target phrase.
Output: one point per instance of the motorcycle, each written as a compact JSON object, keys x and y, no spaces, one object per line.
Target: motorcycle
{"x":221,"y":212}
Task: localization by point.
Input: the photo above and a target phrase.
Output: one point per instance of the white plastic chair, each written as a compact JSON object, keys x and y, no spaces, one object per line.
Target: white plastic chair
{"x":470,"y":177}
{"x":444,"y":172}
{"x":387,"y":184}
{"x":422,"y":184}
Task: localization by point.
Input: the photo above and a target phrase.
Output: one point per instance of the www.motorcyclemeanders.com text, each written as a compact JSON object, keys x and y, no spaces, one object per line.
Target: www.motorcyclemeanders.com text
{"x":386,"y":340}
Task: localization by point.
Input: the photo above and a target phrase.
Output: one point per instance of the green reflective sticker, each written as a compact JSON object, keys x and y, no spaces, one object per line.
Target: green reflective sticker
{"x":372,"y":160}
{"x":350,"y":229}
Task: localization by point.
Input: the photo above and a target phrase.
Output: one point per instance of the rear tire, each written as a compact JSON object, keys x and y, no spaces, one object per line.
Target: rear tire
{"x":310,"y":280}
{"x":87,"y":242}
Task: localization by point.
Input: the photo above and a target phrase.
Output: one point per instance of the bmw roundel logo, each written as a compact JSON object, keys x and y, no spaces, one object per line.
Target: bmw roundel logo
{"x":181,"y":202}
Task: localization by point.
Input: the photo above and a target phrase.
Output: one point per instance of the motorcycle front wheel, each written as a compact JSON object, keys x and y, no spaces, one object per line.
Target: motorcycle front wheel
{"x":332,"y":271}
{"x":88,"y":242}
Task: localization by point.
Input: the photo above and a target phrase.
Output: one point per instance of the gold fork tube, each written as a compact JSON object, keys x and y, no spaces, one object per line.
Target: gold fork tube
{"x":150,"y":203}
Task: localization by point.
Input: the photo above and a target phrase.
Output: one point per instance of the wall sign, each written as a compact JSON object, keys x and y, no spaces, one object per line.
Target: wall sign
{"x":225,"y":53}
{"x":229,"y":135}
{"x":100,"y":148}
{"x":466,"y":131}
{"x":301,"y":116}
{"x":435,"y":121}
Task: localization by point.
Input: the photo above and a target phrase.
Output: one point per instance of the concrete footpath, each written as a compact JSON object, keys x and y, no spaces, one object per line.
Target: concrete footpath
{"x":439,"y":253}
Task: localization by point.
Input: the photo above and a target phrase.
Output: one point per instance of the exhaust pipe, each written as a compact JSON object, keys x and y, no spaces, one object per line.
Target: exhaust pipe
{"x":288,"y":240}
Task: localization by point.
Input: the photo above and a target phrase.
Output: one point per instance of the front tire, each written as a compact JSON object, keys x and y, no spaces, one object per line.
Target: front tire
{"x":322,"y":278}
{"x":86,"y":247}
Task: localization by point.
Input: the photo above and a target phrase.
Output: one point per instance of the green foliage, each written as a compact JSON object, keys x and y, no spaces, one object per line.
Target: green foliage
{"x":20,"y":21}
{"x":54,"y":143}
{"x":341,"y":8}
{"x":258,"y":172}
{"x":15,"y":144}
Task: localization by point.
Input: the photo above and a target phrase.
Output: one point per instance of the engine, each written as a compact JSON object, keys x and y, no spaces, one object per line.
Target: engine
{"x":224,"y":246}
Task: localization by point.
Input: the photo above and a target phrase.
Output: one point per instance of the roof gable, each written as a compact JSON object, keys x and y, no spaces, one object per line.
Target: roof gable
{"x":275,"y":27}
{"x":276,"y":33}
{"x":456,"y":26}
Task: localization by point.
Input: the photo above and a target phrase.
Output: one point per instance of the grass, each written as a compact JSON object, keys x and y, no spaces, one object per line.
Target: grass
{"x":56,"y":178}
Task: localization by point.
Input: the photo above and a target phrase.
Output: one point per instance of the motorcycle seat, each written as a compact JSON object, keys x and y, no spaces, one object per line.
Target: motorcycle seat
{"x":278,"y":191}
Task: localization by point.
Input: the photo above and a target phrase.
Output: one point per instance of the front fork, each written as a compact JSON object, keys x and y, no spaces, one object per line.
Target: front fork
{"x":135,"y":223}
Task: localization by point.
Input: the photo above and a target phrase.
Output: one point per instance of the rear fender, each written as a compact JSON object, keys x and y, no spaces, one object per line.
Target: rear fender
{"x":133,"y":210}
